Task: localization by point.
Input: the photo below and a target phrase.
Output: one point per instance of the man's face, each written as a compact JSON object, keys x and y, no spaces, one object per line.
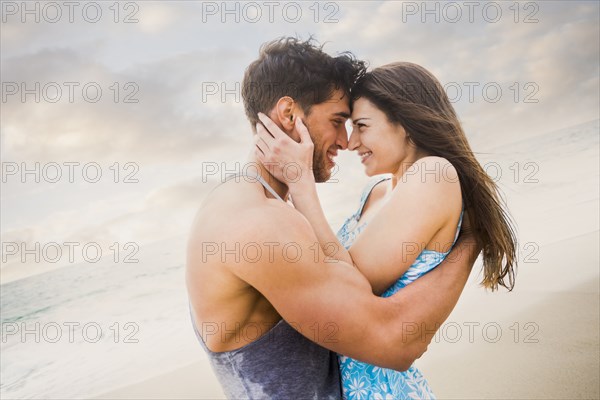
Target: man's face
{"x":326,"y":123}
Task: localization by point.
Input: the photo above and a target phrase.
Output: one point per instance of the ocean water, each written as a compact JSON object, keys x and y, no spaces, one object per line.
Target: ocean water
{"x":86,"y":329}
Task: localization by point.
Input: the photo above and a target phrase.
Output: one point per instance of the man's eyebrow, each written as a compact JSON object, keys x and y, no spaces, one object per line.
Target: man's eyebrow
{"x":342,"y":114}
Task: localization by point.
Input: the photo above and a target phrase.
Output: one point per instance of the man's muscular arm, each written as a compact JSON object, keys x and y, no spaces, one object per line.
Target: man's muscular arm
{"x":331,"y":303}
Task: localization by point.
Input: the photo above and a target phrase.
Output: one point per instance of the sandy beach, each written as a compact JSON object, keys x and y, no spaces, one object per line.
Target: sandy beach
{"x":539,"y":341}
{"x":560,"y":362}
{"x":195,"y":381}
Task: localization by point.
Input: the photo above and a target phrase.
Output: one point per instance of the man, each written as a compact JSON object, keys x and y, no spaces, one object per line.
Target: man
{"x":266,"y":304}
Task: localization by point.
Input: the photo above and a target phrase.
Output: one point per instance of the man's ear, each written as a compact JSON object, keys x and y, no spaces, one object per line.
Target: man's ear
{"x":284,"y":111}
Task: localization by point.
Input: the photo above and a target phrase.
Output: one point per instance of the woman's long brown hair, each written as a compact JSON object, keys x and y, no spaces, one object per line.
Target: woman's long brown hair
{"x":412,"y":97}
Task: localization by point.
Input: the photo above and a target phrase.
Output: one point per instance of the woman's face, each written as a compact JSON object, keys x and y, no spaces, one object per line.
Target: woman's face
{"x":382,"y":146}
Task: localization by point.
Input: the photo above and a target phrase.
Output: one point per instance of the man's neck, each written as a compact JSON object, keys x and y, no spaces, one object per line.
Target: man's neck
{"x":254,"y":165}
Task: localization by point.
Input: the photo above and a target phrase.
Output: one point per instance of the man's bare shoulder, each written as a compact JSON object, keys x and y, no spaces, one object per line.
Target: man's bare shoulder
{"x":248,"y":236}
{"x":238,"y":216}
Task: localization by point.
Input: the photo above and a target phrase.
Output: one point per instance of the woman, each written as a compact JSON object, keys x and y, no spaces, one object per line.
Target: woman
{"x":407,"y":223}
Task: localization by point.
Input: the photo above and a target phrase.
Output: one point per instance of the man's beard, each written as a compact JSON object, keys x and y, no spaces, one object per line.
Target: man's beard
{"x":320,"y":163}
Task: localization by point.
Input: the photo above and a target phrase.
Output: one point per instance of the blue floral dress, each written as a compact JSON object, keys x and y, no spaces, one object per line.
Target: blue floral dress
{"x":366,"y":381}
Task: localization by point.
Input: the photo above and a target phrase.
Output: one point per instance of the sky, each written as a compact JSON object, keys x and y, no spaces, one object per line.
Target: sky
{"x":126,"y":114}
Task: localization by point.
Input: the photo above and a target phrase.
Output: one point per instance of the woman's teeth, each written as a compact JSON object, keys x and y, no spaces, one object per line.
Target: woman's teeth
{"x":364,"y":156}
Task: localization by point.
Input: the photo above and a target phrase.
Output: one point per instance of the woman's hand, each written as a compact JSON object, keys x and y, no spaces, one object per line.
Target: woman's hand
{"x":291,"y":163}
{"x":288,"y":161}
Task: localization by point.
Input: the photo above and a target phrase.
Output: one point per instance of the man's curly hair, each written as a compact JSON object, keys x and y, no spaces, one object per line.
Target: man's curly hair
{"x":300,"y":69}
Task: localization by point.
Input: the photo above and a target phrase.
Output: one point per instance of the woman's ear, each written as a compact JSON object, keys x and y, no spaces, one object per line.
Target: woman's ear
{"x":285,"y":109}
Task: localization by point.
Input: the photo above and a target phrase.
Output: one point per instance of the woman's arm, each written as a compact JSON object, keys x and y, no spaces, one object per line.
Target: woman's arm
{"x":422,"y":203}
{"x":306,"y":200}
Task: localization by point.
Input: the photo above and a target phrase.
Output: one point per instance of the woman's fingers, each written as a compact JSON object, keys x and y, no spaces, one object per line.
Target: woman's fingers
{"x":272,"y":128}
{"x":303,"y":131}
{"x":277,"y":150}
{"x":263,"y":134}
{"x":260,"y":145}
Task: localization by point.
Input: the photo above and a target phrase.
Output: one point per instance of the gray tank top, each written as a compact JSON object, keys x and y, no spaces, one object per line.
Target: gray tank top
{"x":281,"y":364}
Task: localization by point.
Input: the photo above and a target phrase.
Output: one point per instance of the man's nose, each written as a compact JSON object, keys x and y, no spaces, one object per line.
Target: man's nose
{"x":354,"y":142}
{"x":342,"y":140}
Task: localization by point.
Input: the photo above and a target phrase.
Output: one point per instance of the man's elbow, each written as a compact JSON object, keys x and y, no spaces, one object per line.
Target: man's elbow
{"x":409,"y":354}
{"x":401,"y":351}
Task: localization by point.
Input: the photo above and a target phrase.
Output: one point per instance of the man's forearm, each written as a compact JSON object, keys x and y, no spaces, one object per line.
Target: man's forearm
{"x":427,"y":302}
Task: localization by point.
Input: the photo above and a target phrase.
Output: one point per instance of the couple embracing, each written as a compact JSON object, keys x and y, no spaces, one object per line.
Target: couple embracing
{"x":340,"y":315}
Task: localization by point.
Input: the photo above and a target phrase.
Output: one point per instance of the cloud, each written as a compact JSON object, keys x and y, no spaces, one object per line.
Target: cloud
{"x":170,"y":120}
{"x":156,"y":17}
{"x":553,"y":61}
{"x":171,"y":56}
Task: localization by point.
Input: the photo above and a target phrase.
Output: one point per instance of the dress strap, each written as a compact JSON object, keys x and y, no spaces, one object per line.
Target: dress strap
{"x":367,"y":192}
{"x":460,"y":219}
{"x":259,"y":179}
